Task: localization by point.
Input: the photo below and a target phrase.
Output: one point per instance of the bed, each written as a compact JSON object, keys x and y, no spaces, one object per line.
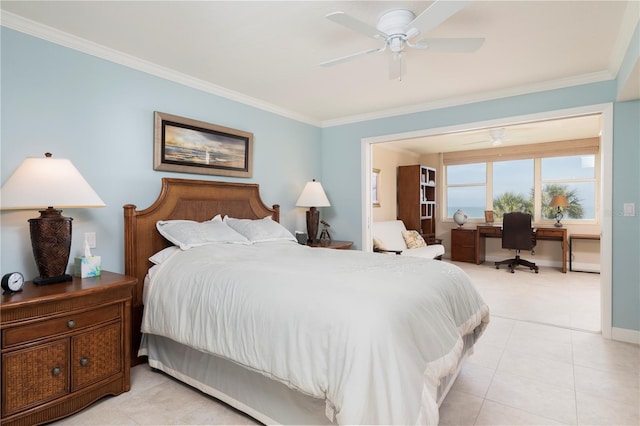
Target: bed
{"x":291,"y":334}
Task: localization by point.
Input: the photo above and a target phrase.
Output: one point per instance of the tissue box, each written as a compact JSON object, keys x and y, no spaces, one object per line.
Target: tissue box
{"x":86,"y":267}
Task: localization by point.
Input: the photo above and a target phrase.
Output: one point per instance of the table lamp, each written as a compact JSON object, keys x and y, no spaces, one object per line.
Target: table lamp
{"x":313,"y":196}
{"x":559,"y":201}
{"x":41,"y":183}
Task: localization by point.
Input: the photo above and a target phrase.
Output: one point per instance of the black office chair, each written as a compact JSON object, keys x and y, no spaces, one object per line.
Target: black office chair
{"x":517,"y":234}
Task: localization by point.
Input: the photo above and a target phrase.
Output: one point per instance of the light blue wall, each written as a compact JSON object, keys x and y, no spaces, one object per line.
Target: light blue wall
{"x":100,"y":116}
{"x":626,"y":229}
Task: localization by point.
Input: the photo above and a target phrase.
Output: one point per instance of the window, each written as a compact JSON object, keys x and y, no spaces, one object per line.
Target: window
{"x":466,"y":189}
{"x":575,"y":178}
{"x":512,"y":187}
{"x":525,"y":179}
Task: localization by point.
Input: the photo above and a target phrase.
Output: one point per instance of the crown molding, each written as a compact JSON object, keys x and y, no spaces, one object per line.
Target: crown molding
{"x":474,"y":98}
{"x":45,"y":32}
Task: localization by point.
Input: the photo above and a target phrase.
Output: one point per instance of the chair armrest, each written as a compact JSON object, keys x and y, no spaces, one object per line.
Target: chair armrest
{"x":377,"y":250}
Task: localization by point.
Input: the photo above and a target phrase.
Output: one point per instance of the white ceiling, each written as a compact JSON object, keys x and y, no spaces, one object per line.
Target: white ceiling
{"x":267,"y":53}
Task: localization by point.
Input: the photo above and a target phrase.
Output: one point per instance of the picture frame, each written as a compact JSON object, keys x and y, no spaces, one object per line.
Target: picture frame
{"x":488,"y":216}
{"x":191,"y":146}
{"x":375,"y":187}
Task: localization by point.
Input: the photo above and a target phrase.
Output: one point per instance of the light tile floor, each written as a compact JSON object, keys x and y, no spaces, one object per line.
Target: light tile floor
{"x":523,"y":372}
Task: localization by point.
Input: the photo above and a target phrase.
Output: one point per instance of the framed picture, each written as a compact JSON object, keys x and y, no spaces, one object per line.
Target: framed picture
{"x":488,"y":216}
{"x":375,"y":187}
{"x":191,"y":146}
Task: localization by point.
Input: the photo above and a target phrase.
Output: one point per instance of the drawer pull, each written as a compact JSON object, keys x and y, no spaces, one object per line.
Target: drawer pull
{"x":55,"y":371}
{"x":84,"y":361}
{"x":71,"y":324}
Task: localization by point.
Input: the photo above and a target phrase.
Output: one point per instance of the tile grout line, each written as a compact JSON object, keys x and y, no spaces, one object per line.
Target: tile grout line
{"x":484,"y":397}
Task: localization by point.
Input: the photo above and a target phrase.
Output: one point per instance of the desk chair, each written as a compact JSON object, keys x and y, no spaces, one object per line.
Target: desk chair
{"x":517,"y":234}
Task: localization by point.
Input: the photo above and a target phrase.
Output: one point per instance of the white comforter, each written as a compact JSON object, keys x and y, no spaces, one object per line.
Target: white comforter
{"x":369,"y":333}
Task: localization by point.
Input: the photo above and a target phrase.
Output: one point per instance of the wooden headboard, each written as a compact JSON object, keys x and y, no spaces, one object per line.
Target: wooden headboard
{"x":188,"y":199}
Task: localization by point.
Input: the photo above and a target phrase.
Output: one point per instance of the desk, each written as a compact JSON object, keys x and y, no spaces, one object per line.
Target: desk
{"x":553,"y":234}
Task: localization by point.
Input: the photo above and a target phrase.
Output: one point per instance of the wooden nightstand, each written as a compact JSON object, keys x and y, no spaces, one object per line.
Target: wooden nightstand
{"x":64,"y":346}
{"x":333,"y":244}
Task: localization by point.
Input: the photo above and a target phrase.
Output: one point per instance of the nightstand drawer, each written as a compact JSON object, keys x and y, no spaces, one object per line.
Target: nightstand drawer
{"x":35,"y":375}
{"x":51,"y":327}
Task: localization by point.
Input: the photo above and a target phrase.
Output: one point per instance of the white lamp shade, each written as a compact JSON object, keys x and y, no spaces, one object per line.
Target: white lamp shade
{"x":313,"y":196}
{"x":47,"y":182}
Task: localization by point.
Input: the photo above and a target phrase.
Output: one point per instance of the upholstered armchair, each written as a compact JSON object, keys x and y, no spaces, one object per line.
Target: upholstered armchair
{"x":392,"y":237}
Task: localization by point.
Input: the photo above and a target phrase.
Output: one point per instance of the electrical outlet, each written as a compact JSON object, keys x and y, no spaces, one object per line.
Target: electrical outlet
{"x":629,"y":209}
{"x":90,"y":238}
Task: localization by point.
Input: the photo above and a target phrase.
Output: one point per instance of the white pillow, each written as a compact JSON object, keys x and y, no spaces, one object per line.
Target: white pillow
{"x":187,"y":233}
{"x":163,"y":255}
{"x":260,"y":230}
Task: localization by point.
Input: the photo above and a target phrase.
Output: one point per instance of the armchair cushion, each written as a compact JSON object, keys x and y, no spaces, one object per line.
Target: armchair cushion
{"x":413,"y":239}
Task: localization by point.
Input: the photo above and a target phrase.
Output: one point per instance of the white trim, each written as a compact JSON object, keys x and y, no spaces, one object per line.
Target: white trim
{"x":35,"y":29}
{"x":625,"y":335}
{"x":606,"y":186}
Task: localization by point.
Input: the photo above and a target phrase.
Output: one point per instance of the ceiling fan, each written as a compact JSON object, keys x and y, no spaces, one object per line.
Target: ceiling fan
{"x":399,"y":28}
{"x":496,"y":137}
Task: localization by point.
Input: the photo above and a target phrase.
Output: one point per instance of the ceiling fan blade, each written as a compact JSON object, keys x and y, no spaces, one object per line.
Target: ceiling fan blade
{"x":356,"y":25}
{"x":434,"y":15}
{"x":396,"y":66}
{"x":352,"y":56}
{"x":453,"y":45}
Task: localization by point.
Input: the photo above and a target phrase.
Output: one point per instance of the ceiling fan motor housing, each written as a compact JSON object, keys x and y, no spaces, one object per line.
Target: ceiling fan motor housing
{"x":394,"y":23}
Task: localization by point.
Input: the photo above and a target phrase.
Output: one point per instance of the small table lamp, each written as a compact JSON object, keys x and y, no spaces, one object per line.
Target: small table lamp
{"x":559,"y":201}
{"x":45,"y":182}
{"x":313,"y":196}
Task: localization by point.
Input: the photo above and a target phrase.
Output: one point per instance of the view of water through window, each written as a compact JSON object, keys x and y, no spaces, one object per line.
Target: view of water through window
{"x":511,"y":187}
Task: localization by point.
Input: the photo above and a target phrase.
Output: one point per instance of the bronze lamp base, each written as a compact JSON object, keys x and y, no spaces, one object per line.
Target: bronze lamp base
{"x":51,"y":243}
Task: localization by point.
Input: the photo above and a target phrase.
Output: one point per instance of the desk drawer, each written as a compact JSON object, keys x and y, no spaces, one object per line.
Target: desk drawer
{"x":490,"y":231}
{"x":463,"y":245}
{"x":550,"y":233}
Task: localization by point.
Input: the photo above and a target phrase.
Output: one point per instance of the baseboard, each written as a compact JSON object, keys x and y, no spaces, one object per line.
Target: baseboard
{"x":625,"y":335}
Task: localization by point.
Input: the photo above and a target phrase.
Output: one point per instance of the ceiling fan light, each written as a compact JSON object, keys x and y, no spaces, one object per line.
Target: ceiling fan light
{"x":396,"y":44}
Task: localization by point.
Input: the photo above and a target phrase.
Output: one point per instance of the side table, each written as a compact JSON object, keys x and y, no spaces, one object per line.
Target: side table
{"x":68,"y":343}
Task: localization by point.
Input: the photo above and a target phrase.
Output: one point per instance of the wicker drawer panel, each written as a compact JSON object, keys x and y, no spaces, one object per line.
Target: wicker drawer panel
{"x":29,"y":378}
{"x":95,"y":355}
{"x":51,"y":327}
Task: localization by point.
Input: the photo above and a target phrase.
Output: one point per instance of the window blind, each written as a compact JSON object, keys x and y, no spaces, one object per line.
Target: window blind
{"x":521,"y":152}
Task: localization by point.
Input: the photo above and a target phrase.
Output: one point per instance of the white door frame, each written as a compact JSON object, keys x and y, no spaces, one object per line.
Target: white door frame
{"x":606,"y":185}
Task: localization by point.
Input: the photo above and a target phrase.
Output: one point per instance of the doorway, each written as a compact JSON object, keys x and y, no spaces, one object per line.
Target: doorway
{"x":606,"y":112}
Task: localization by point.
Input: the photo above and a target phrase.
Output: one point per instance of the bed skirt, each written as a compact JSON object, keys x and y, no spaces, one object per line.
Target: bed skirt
{"x":266,"y":400}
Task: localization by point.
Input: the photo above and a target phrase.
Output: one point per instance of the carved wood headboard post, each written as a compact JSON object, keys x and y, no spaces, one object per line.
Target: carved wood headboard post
{"x":130,"y":242}
{"x":185,"y":199}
